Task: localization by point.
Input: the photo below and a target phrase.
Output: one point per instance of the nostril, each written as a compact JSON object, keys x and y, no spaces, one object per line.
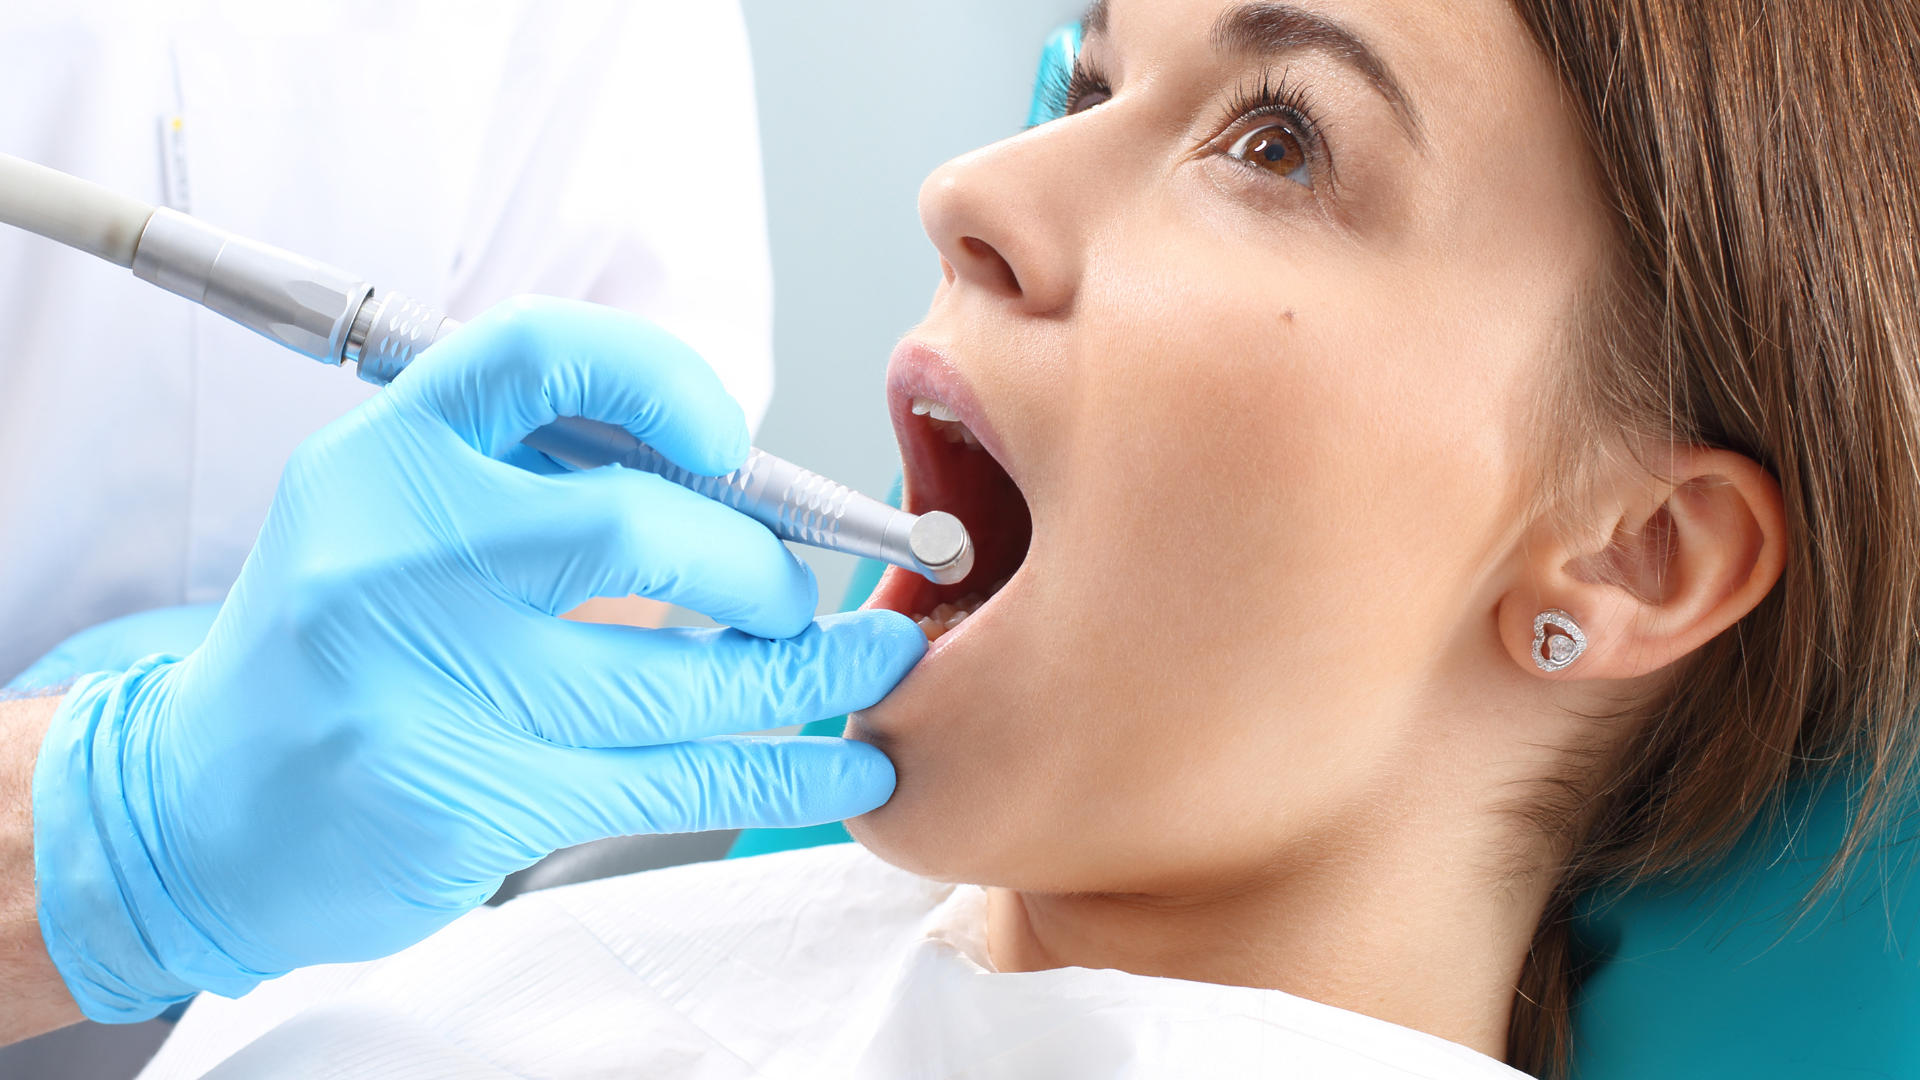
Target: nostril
{"x":993,"y":270}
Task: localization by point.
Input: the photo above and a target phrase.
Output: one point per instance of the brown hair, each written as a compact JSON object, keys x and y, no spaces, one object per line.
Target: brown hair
{"x":1761,"y":156}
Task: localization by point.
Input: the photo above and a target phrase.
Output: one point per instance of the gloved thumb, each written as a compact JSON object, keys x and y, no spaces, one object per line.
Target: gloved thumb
{"x":531,"y":359}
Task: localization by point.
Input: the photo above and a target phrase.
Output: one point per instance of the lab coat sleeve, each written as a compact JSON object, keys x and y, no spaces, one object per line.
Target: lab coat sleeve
{"x":622,"y":166}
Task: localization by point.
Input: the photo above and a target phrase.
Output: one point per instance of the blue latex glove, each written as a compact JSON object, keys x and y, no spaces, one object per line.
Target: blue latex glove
{"x":115,"y":645}
{"x":387,"y":717}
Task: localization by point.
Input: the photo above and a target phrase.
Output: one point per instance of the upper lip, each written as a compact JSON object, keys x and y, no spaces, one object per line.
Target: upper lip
{"x":918,"y":369}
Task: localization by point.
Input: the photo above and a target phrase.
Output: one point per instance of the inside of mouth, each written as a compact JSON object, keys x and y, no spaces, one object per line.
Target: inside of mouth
{"x":948,"y":469}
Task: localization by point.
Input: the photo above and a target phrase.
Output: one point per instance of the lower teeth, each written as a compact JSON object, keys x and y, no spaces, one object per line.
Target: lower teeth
{"x":949,"y":615}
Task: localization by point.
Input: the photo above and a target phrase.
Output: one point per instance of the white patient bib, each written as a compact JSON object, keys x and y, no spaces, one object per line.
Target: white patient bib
{"x":817,"y":963}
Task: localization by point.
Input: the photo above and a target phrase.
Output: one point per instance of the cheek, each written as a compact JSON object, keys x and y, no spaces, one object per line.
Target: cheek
{"x":1316,"y":442}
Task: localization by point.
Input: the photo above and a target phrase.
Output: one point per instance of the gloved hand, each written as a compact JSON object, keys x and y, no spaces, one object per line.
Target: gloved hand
{"x":388,"y":717}
{"x":115,"y":644}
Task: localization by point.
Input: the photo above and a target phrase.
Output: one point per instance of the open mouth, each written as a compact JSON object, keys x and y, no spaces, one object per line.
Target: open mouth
{"x":950,"y":467}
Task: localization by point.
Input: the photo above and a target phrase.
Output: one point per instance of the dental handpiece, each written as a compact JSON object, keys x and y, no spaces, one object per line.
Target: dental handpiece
{"x":334,"y":317}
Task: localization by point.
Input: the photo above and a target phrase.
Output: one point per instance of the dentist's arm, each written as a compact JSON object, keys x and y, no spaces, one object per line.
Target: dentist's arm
{"x":32,"y":997}
{"x":388,"y":715}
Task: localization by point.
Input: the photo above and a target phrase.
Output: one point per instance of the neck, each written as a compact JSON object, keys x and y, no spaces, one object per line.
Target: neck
{"x":1422,"y":920}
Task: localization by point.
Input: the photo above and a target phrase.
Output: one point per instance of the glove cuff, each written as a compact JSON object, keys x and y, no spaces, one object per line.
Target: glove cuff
{"x":122,"y":945}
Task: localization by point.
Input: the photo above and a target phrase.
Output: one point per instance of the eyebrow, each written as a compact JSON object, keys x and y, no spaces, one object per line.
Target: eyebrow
{"x":1266,"y":29}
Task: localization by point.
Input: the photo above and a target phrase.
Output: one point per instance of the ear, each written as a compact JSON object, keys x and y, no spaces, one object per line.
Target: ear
{"x":1667,"y":563}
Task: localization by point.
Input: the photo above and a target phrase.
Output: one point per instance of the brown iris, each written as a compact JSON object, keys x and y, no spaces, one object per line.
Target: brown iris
{"x":1277,"y":149}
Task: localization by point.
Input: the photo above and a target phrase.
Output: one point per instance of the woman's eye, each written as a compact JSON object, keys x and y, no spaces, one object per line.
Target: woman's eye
{"x":1089,"y":100}
{"x":1085,"y":89}
{"x":1277,"y":148}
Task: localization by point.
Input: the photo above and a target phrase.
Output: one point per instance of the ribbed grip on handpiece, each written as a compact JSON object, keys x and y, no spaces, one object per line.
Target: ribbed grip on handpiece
{"x":793,"y":503}
{"x":389,"y":332}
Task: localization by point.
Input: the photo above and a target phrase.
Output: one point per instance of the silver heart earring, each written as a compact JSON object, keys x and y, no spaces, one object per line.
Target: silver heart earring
{"x":1558,"y":651}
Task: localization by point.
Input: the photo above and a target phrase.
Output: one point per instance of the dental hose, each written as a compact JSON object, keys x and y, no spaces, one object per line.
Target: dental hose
{"x":334,"y":317}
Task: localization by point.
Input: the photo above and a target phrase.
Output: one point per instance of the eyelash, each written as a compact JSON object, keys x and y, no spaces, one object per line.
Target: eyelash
{"x":1278,"y":99}
{"x":1067,"y":93}
{"x":1083,"y":83}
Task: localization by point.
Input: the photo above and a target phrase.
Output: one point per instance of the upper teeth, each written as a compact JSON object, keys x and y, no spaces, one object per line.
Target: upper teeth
{"x":936,"y":409}
{"x":945,"y":420}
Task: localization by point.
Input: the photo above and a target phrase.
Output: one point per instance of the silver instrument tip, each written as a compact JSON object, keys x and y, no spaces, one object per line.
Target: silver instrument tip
{"x":942,"y":546}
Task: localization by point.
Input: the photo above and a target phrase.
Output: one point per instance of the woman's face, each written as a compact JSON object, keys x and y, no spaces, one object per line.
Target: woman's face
{"x":1257,"y":335}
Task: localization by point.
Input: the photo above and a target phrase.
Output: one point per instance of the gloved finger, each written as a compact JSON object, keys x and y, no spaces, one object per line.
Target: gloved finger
{"x":560,"y":541}
{"x":531,"y":359}
{"x":621,"y":686}
{"x":721,"y":783}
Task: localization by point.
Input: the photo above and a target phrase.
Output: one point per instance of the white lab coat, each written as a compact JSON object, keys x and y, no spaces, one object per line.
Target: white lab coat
{"x":823,"y":964}
{"x":460,"y":151}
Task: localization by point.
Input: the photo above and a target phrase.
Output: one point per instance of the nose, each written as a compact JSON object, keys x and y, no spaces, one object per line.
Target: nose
{"x":1005,"y":223}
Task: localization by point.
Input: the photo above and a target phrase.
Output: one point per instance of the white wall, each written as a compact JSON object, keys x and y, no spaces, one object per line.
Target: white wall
{"x":859,"y":101}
